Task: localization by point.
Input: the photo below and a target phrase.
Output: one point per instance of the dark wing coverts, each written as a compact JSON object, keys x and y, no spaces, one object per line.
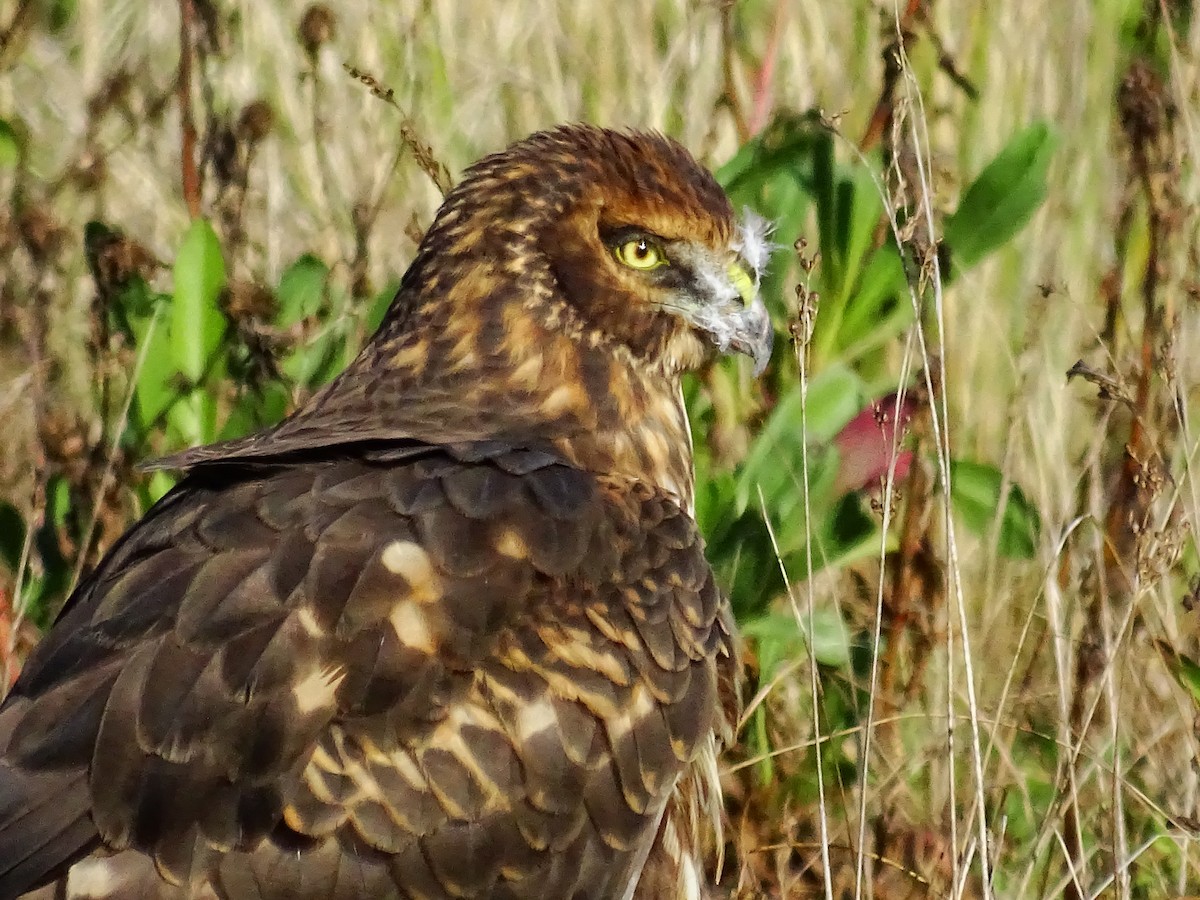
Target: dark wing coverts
{"x":326,"y":661}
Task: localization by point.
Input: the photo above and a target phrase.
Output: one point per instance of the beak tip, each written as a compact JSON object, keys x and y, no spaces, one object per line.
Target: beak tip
{"x":762,"y":340}
{"x":752,"y":334}
{"x":761,"y":358}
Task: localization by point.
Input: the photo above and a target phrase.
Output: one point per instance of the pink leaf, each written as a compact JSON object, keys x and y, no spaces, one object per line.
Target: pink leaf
{"x":866,"y":444}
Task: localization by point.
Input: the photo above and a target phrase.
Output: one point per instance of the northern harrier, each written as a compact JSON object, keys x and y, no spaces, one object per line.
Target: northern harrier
{"x":448,"y":630}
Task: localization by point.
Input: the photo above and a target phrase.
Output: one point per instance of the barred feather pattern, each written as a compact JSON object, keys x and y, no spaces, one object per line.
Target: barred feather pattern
{"x":448,"y":629}
{"x":429,"y":679}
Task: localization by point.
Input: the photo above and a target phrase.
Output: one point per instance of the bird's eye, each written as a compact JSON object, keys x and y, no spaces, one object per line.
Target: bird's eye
{"x":640,"y":253}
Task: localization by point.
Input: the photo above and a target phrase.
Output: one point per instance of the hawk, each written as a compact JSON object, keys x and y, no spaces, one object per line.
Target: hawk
{"x":448,"y":630}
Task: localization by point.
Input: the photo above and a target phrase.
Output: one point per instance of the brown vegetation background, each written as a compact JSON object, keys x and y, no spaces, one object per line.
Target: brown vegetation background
{"x":1060,"y":692}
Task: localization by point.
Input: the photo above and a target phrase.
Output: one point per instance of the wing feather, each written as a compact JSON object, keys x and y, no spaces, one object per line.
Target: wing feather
{"x":485,"y":675}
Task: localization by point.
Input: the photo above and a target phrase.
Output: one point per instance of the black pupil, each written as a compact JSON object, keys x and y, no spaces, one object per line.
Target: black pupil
{"x":641,"y":249}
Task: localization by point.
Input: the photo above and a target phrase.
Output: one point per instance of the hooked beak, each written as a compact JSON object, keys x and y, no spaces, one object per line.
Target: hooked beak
{"x":733,"y":314}
{"x":753,"y":335}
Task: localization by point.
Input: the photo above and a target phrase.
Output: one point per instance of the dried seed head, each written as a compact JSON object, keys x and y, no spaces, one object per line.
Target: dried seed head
{"x":212,"y":33}
{"x":115,"y":259}
{"x":245,"y":301}
{"x":256,"y":121}
{"x":1142,"y":102}
{"x":64,"y":439}
{"x":90,"y":171}
{"x":113,"y":91}
{"x":222,"y":150}
{"x":318,"y":27}
{"x":40,"y":233}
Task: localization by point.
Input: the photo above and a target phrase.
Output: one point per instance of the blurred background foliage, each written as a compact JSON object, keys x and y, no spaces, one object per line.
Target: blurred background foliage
{"x":957,"y":515}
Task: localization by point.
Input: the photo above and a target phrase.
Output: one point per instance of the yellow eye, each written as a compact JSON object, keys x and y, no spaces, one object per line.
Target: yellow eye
{"x":640,"y":253}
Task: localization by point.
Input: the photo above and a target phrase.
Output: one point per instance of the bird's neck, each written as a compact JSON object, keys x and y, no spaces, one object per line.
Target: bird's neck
{"x":640,"y":432}
{"x":507,"y":373}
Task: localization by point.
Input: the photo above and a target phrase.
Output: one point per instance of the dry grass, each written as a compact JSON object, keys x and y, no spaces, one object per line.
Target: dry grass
{"x":1072,"y":732}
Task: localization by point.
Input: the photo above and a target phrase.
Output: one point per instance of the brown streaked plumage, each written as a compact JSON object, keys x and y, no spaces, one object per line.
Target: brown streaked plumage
{"x":448,"y":631}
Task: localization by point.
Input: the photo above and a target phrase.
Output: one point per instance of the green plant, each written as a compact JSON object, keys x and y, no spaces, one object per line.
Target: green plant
{"x":816,"y":450}
{"x":1073,"y":503}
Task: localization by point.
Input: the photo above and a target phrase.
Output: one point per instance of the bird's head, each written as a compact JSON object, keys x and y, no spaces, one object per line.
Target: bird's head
{"x":624,"y":239}
{"x":564,"y":286}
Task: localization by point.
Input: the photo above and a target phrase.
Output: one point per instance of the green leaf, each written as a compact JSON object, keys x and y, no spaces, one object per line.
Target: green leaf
{"x":133,"y":302}
{"x":42,"y":598}
{"x":784,"y":203}
{"x":257,"y":408}
{"x":977,"y":493}
{"x":1185,"y":669}
{"x":197,"y":328}
{"x":746,"y":565}
{"x":156,"y":388}
{"x":197,"y":323}
{"x":877,"y":310}
{"x":61,"y":14}
{"x":715,"y":497}
{"x":10,"y":146}
{"x":1003,"y":198}
{"x":12,"y":536}
{"x":824,"y":187}
{"x":315,"y":363}
{"x":859,"y":212}
{"x":301,"y":290}
{"x":58,"y":501}
{"x":160,"y":483}
{"x":192,"y":419}
{"x":842,"y":535}
{"x":835,"y":395}
{"x":775,"y":466}
{"x":379,"y":307}
{"x":780,"y":638}
{"x":786,"y":144}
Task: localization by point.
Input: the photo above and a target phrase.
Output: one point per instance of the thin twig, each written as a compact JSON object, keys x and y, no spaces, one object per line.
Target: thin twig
{"x":19,"y":22}
{"x":814,"y":686}
{"x":760,"y":114}
{"x":940,"y":419}
{"x":187,"y":126}
{"x":18,"y":604}
{"x":422,"y":152}
{"x":729,"y":94}
{"x":98,"y":503}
